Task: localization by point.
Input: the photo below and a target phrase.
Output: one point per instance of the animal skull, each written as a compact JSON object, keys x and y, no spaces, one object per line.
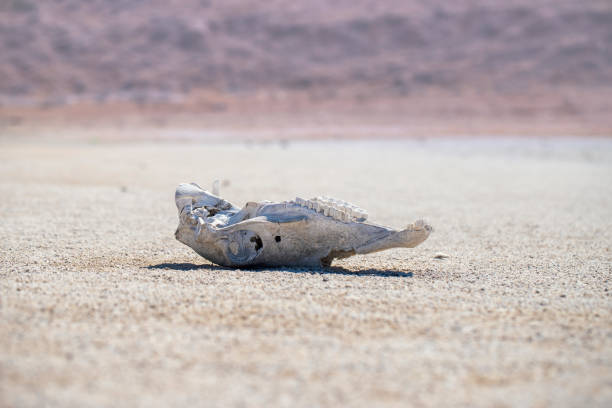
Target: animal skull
{"x":292,"y":233}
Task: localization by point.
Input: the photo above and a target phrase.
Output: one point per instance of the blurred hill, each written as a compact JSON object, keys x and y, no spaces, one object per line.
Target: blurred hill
{"x":60,"y":52}
{"x":156,"y":49}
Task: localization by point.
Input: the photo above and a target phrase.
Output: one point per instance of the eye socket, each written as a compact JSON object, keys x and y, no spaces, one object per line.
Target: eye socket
{"x":277,"y":238}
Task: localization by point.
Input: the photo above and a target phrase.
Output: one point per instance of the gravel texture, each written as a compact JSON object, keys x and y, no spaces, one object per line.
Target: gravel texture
{"x":100,"y":306}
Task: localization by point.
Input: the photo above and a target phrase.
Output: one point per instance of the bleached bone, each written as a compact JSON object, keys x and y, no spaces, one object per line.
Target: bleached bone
{"x":293,"y":233}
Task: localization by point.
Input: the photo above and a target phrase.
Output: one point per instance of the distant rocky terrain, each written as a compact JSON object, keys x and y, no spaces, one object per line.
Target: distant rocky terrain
{"x":58,"y":51}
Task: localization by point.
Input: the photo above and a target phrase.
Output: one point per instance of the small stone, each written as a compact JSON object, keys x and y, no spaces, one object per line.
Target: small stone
{"x":441,"y":255}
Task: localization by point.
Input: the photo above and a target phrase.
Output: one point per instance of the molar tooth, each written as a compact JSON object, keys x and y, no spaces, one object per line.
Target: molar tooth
{"x":349,"y":213}
{"x":300,"y":201}
{"x":361,"y":213}
{"x":326,"y":210}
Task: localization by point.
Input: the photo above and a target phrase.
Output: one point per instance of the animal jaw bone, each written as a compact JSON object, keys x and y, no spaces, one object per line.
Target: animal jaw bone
{"x":292,"y":233}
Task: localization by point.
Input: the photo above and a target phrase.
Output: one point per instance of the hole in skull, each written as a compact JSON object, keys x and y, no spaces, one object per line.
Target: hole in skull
{"x":212,"y":211}
{"x":257,"y":241}
{"x":277,"y":238}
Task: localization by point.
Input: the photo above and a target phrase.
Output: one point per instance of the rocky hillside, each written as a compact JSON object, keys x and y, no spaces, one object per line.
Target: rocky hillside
{"x":100,"y":50}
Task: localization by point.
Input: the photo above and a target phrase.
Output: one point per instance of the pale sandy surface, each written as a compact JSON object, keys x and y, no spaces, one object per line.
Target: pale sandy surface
{"x":100,"y":306}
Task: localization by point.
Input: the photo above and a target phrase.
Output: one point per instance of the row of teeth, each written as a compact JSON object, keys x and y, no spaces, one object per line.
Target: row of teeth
{"x":338,"y":209}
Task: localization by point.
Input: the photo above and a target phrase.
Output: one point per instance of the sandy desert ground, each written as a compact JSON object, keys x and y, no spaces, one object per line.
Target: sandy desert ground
{"x":100,"y":306}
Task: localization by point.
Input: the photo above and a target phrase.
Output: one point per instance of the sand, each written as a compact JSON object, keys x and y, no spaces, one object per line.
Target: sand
{"x":100,"y":306}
